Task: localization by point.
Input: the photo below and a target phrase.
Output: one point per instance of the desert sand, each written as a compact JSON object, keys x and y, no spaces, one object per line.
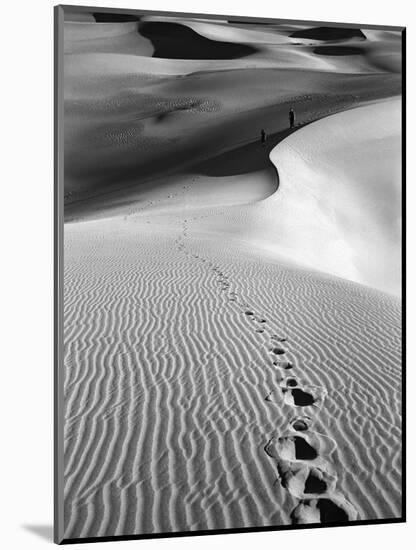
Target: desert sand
{"x":232,"y":308}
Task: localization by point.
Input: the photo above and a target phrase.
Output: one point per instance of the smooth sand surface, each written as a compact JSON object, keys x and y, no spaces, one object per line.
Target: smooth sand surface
{"x":353,"y":194}
{"x":232,"y":311}
{"x":337,"y":208}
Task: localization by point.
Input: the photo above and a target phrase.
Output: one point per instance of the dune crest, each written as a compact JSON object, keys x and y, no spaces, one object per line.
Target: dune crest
{"x":352,"y":190}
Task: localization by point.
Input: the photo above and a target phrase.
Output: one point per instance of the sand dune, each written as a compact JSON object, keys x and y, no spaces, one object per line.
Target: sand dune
{"x":112,"y":138}
{"x":357,"y":197}
{"x":340,"y":203}
{"x":339,"y":210}
{"x":106,"y":38}
{"x":224,"y":32}
{"x":131,"y":117}
{"x":167,"y":379}
{"x":231,"y":356}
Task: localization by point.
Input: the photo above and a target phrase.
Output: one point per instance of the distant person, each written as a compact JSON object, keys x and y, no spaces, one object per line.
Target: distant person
{"x":263,"y":137}
{"x":292,"y":118}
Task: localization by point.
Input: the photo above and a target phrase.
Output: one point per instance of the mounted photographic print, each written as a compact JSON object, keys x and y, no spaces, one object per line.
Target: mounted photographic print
{"x":228,"y":259}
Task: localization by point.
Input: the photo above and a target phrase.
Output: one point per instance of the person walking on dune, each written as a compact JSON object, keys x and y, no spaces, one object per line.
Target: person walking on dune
{"x":292,"y":118}
{"x":263,"y":136}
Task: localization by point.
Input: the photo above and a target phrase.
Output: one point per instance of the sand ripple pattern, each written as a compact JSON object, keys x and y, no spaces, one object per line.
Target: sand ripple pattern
{"x":303,"y":460}
{"x":181,"y":366}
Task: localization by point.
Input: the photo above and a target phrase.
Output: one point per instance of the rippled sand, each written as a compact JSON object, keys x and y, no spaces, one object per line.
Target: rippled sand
{"x":167,"y":380}
{"x":232,"y":311}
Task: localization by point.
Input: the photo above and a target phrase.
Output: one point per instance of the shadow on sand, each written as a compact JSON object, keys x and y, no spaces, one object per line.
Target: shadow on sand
{"x":245,"y":159}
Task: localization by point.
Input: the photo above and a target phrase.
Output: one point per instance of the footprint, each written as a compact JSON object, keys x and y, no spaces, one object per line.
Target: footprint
{"x":316,"y":483}
{"x":302,"y":481}
{"x":304,"y":397}
{"x":324,"y":510}
{"x":301,"y":423}
{"x":292,"y":448}
{"x":283,"y":364}
{"x":300,"y":398}
{"x":309,"y":447}
{"x":277,"y":351}
{"x":289,"y":383}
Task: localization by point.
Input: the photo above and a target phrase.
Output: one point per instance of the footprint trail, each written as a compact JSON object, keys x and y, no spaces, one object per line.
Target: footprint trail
{"x":304,"y":458}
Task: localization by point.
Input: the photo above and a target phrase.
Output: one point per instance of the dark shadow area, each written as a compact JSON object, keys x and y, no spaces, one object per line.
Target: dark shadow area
{"x":328,"y":33}
{"x":242,"y":23}
{"x":330,"y":511}
{"x":302,"y":398}
{"x":304,"y":451}
{"x":338,"y":50}
{"x":176,"y":41}
{"x":315,"y":485}
{"x":114,"y":17}
{"x":45,"y":532}
{"x":242,"y":160}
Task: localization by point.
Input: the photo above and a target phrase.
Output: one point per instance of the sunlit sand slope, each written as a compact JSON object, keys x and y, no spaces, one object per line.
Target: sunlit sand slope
{"x":175,"y":383}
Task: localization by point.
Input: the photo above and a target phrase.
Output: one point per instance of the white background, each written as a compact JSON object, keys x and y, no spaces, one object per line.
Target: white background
{"x":26,"y":271}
